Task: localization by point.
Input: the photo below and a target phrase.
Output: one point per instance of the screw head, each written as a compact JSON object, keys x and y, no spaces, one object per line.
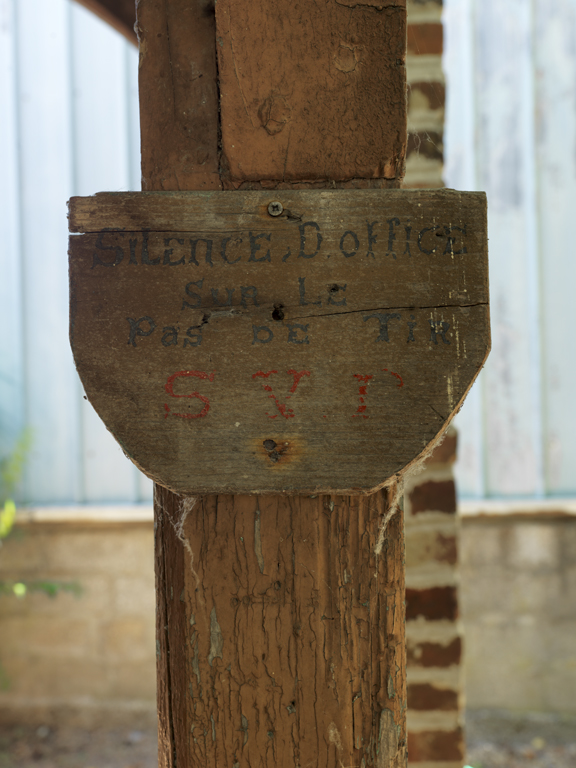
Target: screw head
{"x":275,"y":208}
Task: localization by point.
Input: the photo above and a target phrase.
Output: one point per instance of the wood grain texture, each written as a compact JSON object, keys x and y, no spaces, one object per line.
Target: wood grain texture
{"x":292,"y":631}
{"x":178,"y":94}
{"x":317,"y":351}
{"x":312,"y":90}
{"x":272,"y":607}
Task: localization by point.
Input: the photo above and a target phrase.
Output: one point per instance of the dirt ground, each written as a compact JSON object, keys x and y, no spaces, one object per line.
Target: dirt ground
{"x":502,"y":740}
{"x":44,"y":747}
{"x":494,"y":741}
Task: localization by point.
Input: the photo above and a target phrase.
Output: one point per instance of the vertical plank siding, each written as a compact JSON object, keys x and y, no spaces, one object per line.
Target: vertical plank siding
{"x":555,"y":118}
{"x":68,"y":99}
{"x":510,"y":131}
{"x":69,"y":126}
{"x":12,"y":415}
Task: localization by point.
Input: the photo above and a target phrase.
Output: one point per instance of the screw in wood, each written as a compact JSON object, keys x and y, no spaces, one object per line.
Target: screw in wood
{"x":275,"y":208}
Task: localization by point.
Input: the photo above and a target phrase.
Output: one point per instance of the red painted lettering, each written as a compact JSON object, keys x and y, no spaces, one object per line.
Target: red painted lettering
{"x":169,"y":387}
{"x":283,"y":408}
{"x":362,"y":393}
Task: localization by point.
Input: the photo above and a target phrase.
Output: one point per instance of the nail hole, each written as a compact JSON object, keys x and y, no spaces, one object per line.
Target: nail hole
{"x":334,"y":288}
{"x":274,"y":456}
{"x":269,"y":445}
{"x":277,"y":313}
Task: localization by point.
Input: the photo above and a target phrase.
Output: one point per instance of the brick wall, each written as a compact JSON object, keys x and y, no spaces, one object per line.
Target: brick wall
{"x":424,"y":162}
{"x":433,"y":631}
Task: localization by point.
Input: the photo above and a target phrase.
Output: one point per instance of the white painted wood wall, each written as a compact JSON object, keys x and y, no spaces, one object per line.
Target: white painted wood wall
{"x":511,"y":131}
{"x":69,"y":126}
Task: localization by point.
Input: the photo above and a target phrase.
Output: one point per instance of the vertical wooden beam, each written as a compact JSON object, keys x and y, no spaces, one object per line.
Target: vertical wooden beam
{"x":280,"y":619}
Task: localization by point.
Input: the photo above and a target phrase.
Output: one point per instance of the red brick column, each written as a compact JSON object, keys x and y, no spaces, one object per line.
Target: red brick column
{"x":433,"y":632}
{"x":424,"y":158}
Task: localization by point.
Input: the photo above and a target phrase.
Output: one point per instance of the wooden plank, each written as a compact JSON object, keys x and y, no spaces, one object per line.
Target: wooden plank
{"x":179,"y":109}
{"x":353,"y":325}
{"x":276,"y":124}
{"x":460,"y":160}
{"x":101,"y":159}
{"x":556,"y":110}
{"x":512,"y":405}
{"x":194,"y":212}
{"x":119,"y":14}
{"x":290,"y":629}
{"x":11,"y":311}
{"x":46,"y":181}
{"x":133,"y":117}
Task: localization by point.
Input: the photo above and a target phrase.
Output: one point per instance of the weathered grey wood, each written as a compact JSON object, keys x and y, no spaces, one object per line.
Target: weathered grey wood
{"x":197,"y":211}
{"x":322,"y":352}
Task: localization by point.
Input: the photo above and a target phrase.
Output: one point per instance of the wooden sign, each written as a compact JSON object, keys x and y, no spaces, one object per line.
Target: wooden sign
{"x":283,"y":341}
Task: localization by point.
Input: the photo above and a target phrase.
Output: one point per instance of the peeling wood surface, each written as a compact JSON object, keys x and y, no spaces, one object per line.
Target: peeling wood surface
{"x":271,"y":585}
{"x":289,"y":632}
{"x":318,"y":350}
{"x":312,"y":90}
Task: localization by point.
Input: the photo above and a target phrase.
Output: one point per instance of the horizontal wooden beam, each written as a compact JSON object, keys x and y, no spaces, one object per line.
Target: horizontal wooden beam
{"x":120,"y":14}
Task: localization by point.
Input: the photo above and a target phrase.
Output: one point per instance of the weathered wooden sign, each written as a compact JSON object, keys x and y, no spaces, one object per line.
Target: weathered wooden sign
{"x":284,"y":341}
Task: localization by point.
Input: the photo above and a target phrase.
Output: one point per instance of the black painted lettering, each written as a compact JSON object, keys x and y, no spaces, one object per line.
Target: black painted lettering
{"x":421,"y":234}
{"x":255,"y":246}
{"x":293,"y":330}
{"x":169,"y":251}
{"x":217,"y":302}
{"x":169,"y":336}
{"x":408,"y":229}
{"x":136,"y":328}
{"x":411,"y":326}
{"x":302,"y":228}
{"x":98,"y":262}
{"x":393,"y":222}
{"x":193,"y":295}
{"x":371,"y":237}
{"x":451,"y":240}
{"x":439,"y":328}
{"x":383,"y":319}
{"x":133,"y":243}
{"x":257,"y":338}
{"x":302,"y":291}
{"x":355,"y":240}
{"x":249,"y":292}
{"x":194,"y":248}
{"x":225,"y":241}
{"x":286,"y":255}
{"x":145,"y":257}
{"x":333,"y":291}
{"x":194,"y":337}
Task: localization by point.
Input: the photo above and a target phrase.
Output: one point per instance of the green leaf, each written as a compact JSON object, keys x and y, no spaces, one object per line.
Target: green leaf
{"x":11,"y":467}
{"x":19,"y":589}
{"x":7,"y":517}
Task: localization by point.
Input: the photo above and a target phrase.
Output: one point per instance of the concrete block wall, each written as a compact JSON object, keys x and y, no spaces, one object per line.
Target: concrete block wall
{"x":79,"y":659}
{"x":519,"y":608}
{"x":433,"y":629}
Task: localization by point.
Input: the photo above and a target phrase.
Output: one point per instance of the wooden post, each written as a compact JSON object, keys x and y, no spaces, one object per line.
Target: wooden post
{"x":280,"y":632}
{"x":273,"y":138}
